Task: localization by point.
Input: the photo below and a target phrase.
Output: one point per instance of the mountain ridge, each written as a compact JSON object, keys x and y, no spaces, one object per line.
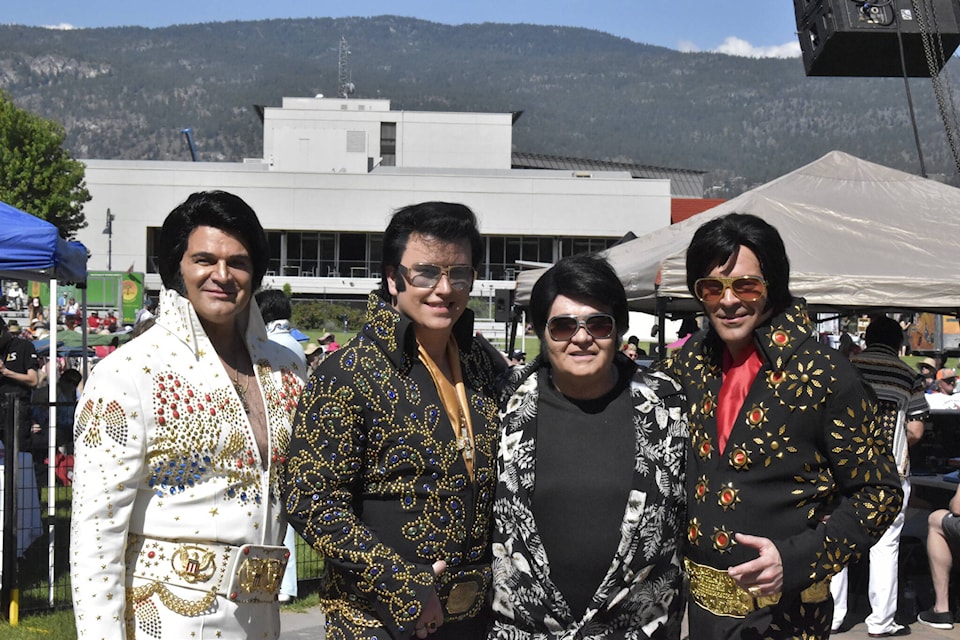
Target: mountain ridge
{"x":126,"y":93}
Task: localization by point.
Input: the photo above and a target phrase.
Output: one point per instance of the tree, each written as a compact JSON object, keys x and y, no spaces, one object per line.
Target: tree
{"x":37,"y":174}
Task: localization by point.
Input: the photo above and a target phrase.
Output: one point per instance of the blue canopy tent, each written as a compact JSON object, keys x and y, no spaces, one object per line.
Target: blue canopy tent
{"x":32,"y":249}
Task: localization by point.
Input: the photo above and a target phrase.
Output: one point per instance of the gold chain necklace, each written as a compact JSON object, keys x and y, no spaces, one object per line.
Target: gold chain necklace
{"x":242,"y":390}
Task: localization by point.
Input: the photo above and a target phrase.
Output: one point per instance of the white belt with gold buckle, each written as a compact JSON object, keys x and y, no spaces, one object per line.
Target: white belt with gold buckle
{"x":245,"y":573}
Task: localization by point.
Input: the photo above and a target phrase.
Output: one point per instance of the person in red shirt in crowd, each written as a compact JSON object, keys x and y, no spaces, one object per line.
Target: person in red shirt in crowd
{"x":329,"y":343}
{"x":110,"y":322}
{"x":93,"y":321}
{"x":104,"y":350}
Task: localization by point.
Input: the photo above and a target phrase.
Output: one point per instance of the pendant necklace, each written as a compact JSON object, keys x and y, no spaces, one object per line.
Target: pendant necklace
{"x":242,"y":390}
{"x":454,"y":399}
{"x":465,"y":439}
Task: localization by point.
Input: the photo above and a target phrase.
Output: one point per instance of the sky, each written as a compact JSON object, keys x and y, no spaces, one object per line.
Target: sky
{"x":755,"y":28}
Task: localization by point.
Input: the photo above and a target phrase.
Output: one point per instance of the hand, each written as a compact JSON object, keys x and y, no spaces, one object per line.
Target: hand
{"x":762,"y":576}
{"x":432,"y":617}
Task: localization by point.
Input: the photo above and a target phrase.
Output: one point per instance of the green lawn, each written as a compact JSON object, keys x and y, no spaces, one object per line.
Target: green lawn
{"x":58,"y":625}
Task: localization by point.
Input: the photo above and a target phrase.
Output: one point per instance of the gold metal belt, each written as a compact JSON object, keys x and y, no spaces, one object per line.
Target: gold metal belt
{"x":244,"y":573}
{"x":718,"y":593}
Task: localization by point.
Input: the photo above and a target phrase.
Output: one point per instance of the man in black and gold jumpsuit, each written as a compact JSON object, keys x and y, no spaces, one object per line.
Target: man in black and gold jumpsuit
{"x":788,"y":478}
{"x":391,"y":471}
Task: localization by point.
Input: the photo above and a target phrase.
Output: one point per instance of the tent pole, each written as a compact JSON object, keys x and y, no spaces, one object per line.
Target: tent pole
{"x":52,"y":380}
{"x":83,"y":331}
{"x":661,"y":327}
{"x":511,"y":337}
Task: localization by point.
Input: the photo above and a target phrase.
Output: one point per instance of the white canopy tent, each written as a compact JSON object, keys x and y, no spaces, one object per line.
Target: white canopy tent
{"x":859,"y":236}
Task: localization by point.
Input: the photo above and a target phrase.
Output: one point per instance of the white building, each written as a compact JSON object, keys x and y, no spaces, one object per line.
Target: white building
{"x":332,"y":172}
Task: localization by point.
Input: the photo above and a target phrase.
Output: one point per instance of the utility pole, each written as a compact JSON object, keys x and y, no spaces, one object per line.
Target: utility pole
{"x":108,"y":231}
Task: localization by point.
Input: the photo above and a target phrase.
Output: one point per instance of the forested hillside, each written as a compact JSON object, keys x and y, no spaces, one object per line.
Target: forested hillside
{"x":127,"y":92}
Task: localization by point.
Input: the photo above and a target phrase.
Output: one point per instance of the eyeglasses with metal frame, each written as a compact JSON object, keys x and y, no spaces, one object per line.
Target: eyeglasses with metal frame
{"x":745,"y":288}
{"x":424,"y":275}
{"x":599,"y":325}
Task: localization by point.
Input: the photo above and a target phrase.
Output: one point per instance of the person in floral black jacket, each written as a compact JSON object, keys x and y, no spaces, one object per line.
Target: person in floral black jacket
{"x":590,"y":491}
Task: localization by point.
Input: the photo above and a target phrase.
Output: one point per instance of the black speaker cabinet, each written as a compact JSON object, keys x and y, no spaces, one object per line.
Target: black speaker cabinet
{"x":857,"y":38}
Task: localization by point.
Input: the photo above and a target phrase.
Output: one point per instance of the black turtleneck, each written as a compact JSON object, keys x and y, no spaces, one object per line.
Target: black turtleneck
{"x":585,"y":462}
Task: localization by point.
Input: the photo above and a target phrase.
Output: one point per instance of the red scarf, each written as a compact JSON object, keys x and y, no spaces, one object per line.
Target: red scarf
{"x":738,"y":375}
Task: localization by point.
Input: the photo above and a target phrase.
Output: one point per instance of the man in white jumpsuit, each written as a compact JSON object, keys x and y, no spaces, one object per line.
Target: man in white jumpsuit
{"x":181,"y":441}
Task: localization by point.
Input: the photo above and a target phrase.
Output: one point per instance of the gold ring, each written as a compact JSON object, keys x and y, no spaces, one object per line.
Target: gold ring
{"x":432,"y":625}
{"x":754,"y":591}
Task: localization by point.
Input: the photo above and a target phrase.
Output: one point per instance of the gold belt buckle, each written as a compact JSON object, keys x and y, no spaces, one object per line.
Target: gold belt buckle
{"x":257,"y":574}
{"x":193,"y":563}
{"x":462,"y":596}
{"x":720,"y":594}
{"x":717,"y":592}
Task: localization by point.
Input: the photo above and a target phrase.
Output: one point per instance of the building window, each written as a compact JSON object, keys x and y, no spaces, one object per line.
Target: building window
{"x":578,"y":246}
{"x":353,"y":255}
{"x":388,"y":144}
{"x":152,"y":265}
{"x":376,"y":254}
{"x":503,"y":252}
{"x":327,"y":244}
{"x":274,"y":239}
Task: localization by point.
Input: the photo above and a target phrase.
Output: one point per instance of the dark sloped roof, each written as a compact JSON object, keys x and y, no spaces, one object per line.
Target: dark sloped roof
{"x":684,"y":183}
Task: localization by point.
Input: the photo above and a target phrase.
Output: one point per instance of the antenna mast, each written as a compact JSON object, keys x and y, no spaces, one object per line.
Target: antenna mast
{"x":344,"y":86}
